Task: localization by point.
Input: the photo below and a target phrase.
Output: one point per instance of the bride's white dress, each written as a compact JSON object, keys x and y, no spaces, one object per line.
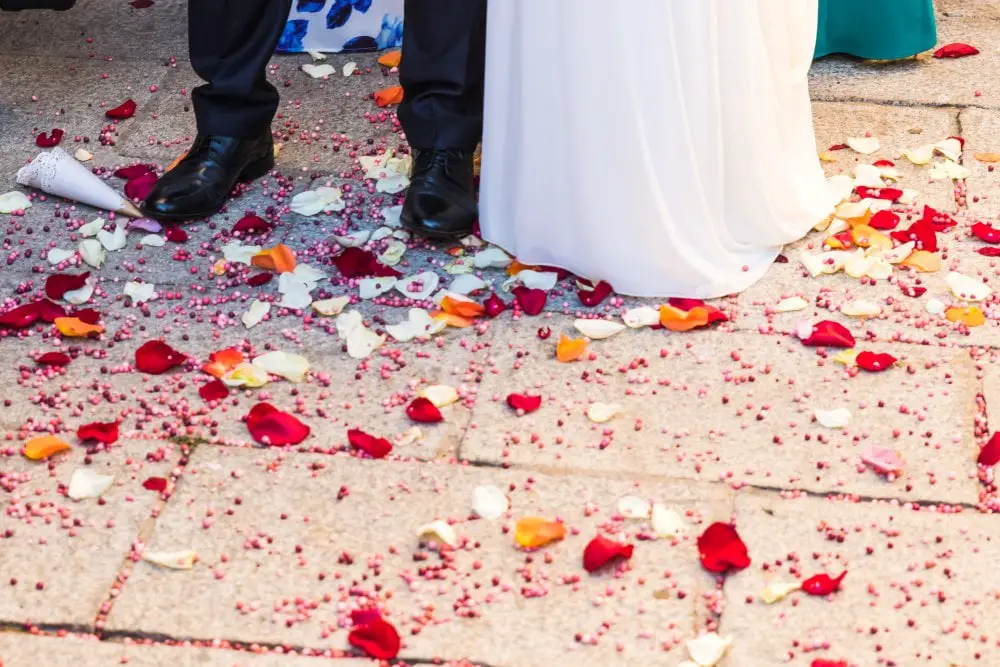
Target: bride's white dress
{"x":665,"y":146}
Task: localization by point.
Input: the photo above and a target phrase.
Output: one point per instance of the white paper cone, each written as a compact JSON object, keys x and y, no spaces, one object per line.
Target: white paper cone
{"x":58,"y":173}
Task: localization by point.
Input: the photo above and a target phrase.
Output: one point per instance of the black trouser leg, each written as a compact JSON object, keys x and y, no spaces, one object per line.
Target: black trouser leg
{"x":231,"y":42}
{"x":442,"y":72}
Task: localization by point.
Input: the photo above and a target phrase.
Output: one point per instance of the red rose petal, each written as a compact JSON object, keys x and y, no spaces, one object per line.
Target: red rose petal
{"x":985,"y":232}
{"x":141,"y":4}
{"x":87,"y":315}
{"x":884,"y":220}
{"x":494,"y":305}
{"x":829,"y":334}
{"x":922,"y":232}
{"x":526,"y":403}
{"x":720,"y":549}
{"x":960,"y":140}
{"x":889,"y":194}
{"x":837,"y":147}
{"x":252,"y":224}
{"x":914,"y":291}
{"x":595,"y":296}
{"x":378,"y":639}
{"x":158,"y":484}
{"x":601,"y":551}
{"x":270,"y":426}
{"x":156,"y":357}
{"x":175,"y":234}
{"x":48,"y":311}
{"x":133,"y":172}
{"x":989,"y":455}
{"x":531,"y":301}
{"x":50,"y":140}
{"x":956,"y":50}
{"x":20,"y":317}
{"x":125,"y":110}
{"x":820,"y":662}
{"x":939,"y":221}
{"x":561,"y":274}
{"x":377,"y":448}
{"x":104,"y":433}
{"x":883,"y":163}
{"x":989,"y":252}
{"x":58,"y":284}
{"x":365,"y":616}
{"x":875,"y":363}
{"x":260,"y":279}
{"x":822,"y":584}
{"x":421,"y":410}
{"x":358,"y":263}
{"x":140,"y":186}
{"x":216,"y":390}
{"x":53,"y":359}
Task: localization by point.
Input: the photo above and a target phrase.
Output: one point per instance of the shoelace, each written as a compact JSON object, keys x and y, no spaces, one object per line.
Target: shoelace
{"x":438,"y":158}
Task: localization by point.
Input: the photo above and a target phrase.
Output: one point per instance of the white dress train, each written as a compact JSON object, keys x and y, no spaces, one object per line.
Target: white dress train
{"x":665,"y":146}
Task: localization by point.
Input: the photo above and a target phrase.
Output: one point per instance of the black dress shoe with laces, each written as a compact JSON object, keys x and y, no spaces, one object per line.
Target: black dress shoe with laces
{"x":198,"y":186}
{"x":440,"y":202}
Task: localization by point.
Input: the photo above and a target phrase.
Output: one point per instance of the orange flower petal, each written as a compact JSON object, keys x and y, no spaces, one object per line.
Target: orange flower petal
{"x":532,"y":532}
{"x":456,"y":321}
{"x":389,"y":96}
{"x":280,"y":258}
{"x":869,"y":237}
{"x":391,"y":59}
{"x":860,"y":220}
{"x":516,"y":267}
{"x":569,"y":349}
{"x":988,"y":157}
{"x":674,"y":319}
{"x":923,"y":261}
{"x":42,"y":448}
{"x":74,"y":327}
{"x":970,"y":317}
{"x":221,"y":362}
{"x":467,"y":309}
{"x":177,"y":160}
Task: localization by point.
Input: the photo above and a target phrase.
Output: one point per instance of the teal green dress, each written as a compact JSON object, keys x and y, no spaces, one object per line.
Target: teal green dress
{"x":876,"y":29}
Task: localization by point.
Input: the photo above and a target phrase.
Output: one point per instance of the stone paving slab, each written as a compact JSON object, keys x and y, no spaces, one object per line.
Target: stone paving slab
{"x":981,"y":129}
{"x":925,"y":81}
{"x":275,"y":541}
{"x":23,"y":650}
{"x":989,"y":9}
{"x":62,"y":556}
{"x":99,"y":29}
{"x":920,"y":586}
{"x":733,"y":407}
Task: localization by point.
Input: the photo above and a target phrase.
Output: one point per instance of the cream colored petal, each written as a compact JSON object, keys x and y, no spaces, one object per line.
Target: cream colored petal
{"x":666,"y":522}
{"x":643,"y":316}
{"x":598,"y":329}
{"x":864,"y":145}
{"x":139,"y":292}
{"x":14,"y":201}
{"x":331,"y":307}
{"x":438,"y":531}
{"x":292,"y":367}
{"x":491,"y":258}
{"x":92,"y":253}
{"x":440,"y":395}
{"x":173,"y":560}
{"x":393,"y":253}
{"x":600,"y":413}
{"x":861,"y":308}
{"x":791,"y":305}
{"x":85,"y":483}
{"x":467,"y":284}
{"x":362,"y":342}
{"x":57,"y":255}
{"x":634,"y":507}
{"x":837,"y":418}
{"x":967,"y":288}
{"x":420,"y":286}
{"x":708,"y":649}
{"x":113,"y":241}
{"x":369,"y":288}
{"x":255,"y":314}
{"x":489,"y":502}
{"x":778,"y":591}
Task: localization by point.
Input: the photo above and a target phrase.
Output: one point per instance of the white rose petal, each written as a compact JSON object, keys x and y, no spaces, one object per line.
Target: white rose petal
{"x":92,"y":227}
{"x":246,"y":375}
{"x":935,"y":307}
{"x":355,"y":240}
{"x":92,"y":252}
{"x":316,"y":55}
{"x":489,"y":502}
{"x":467,"y":284}
{"x":440,"y":395}
{"x":386,"y":232}
{"x":80,"y":296}
{"x":838,"y":418}
{"x":57,"y":255}
{"x":349,"y":68}
{"x":393,"y":253}
{"x":951,"y":148}
{"x":419,"y":324}
{"x":292,"y":367}
{"x":666,"y":522}
{"x":428,"y":283}
{"x":331,"y":307}
{"x":294,"y":295}
{"x":237,"y":253}
{"x":853,"y":209}
{"x":322,"y":199}
{"x":920,"y":155}
{"x":83,"y":155}
{"x":14,"y":201}
{"x":173,"y":560}
{"x":967,"y":288}
{"x":708,"y":649}
{"x":791,"y":305}
{"x":644,"y":316}
{"x":255,"y":314}
{"x":543,"y":280}
{"x":867,"y":175}
{"x":440,"y":532}
{"x":461,"y":265}
{"x":318,"y":71}
{"x":864,"y":145}
{"x":361,"y":342}
{"x":633,"y":507}
{"x":491,"y":258}
{"x":600,"y":413}
{"x":778,"y":591}
{"x":139,"y":292}
{"x":391,"y":215}
{"x":861,"y":308}
{"x":392,"y":184}
{"x":348,"y":322}
{"x":85,"y":483}
{"x":113,"y":241}
{"x":899,"y":253}
{"x":909,"y":196}
{"x":153,"y":241}
{"x":598,"y":329}
{"x":949,"y":170}
{"x":369,"y":288}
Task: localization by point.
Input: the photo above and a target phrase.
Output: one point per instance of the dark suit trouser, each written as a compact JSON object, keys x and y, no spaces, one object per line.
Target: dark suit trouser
{"x":442,"y":72}
{"x":231,"y":42}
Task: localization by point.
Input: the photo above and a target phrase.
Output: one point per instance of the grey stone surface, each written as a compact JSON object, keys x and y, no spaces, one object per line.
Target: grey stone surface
{"x":731,"y":407}
{"x":62,"y":556}
{"x":981,"y":130}
{"x":266,"y":526}
{"x":24,"y":650}
{"x":920,"y":586}
{"x":924,"y":81}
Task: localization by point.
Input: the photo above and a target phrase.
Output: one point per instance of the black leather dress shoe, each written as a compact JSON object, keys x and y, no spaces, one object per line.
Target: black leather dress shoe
{"x":440,"y":202}
{"x":198,"y":186}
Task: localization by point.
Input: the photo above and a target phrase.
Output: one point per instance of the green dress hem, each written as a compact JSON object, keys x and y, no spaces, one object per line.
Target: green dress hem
{"x":876,"y":29}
